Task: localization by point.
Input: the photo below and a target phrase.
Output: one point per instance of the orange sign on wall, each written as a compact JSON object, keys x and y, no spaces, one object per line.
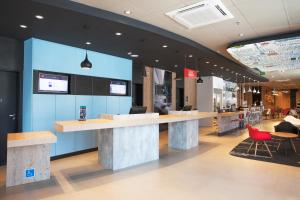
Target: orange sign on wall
{"x":190,"y":73}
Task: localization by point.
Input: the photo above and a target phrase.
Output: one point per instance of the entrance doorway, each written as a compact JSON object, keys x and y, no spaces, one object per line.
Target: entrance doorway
{"x":8,"y":109}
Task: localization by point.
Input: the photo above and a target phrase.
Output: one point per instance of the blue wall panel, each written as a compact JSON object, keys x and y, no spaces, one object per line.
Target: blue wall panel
{"x":43,"y":114}
{"x":125,"y":105}
{"x":99,"y":106}
{"x":65,"y":110}
{"x":85,"y":139}
{"x":113,"y":106}
{"x":55,"y":57}
{"x":40,"y":111}
{"x":27,"y":87}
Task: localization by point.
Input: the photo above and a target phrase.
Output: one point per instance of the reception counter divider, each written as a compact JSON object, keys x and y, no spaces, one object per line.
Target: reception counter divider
{"x":128,"y":140}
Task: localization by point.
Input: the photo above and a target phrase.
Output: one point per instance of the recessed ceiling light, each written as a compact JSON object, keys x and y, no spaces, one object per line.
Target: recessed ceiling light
{"x":129,"y":53}
{"x":157,"y":60}
{"x":118,"y":34}
{"x":191,"y":55}
{"x":134,"y":55}
{"x":227,"y":69}
{"x":88,"y":43}
{"x":241,"y":34}
{"x":207,"y":62}
{"x":233,"y":72}
{"x":165,"y":46}
{"x":215,"y":65}
{"x":176,"y":65}
{"x":23,"y":26}
{"x":127,"y":12}
{"x":222,"y":67}
{"x":39,"y":17}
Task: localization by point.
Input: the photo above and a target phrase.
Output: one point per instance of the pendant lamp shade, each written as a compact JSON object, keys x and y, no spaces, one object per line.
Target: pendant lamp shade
{"x":244,"y":90}
{"x":249,"y":90}
{"x":86,"y":64}
{"x":254,"y":91}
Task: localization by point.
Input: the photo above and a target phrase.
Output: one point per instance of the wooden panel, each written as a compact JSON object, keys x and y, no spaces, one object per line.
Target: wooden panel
{"x":173,"y":91}
{"x":148,"y":89}
{"x":190,"y":92}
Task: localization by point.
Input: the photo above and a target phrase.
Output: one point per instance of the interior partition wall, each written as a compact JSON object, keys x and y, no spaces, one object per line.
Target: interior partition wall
{"x":40,"y":111}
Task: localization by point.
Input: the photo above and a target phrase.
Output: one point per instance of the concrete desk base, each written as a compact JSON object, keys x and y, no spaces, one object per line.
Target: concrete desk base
{"x":183,"y":134}
{"x":28,"y":157}
{"x":128,"y":146}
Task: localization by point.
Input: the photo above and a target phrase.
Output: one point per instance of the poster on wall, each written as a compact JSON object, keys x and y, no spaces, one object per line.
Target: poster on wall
{"x":162,"y":90}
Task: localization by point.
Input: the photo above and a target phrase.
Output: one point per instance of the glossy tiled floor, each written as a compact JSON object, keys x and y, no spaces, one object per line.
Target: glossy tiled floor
{"x":207,"y":172}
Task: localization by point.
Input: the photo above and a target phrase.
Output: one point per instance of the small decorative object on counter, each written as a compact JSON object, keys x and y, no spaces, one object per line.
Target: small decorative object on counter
{"x":82,"y":116}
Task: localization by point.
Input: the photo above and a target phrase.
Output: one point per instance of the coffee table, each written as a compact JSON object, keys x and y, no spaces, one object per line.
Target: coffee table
{"x":284,"y":136}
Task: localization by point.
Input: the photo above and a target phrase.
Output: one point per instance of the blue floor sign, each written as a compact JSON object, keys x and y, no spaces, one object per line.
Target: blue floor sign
{"x":29,"y":173}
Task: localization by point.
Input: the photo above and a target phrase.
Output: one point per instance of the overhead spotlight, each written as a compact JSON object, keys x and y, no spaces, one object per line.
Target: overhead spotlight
{"x":165,"y":46}
{"x":175,"y":65}
{"x":39,"y":17}
{"x":222,"y":67}
{"x":127,"y":12}
{"x":118,"y":34}
{"x":129,"y":53}
{"x":191,"y":55}
{"x":134,"y":55}
{"x":215,"y":65}
{"x":23,"y":26}
{"x":207,"y":62}
{"x":156,"y":60}
{"x":88,"y":43}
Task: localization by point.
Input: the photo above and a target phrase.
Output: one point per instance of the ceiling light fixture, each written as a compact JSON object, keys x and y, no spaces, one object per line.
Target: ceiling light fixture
{"x":88,"y":43}
{"x":118,"y":34}
{"x":86,"y":64}
{"x":191,"y":55}
{"x":134,"y":55}
{"x":157,"y":60}
{"x":215,"y":65}
{"x":23,"y":26}
{"x":175,"y":65}
{"x":129,"y":53}
{"x":165,"y":46}
{"x":222,"y":67}
{"x":127,"y":12}
{"x":39,"y":17}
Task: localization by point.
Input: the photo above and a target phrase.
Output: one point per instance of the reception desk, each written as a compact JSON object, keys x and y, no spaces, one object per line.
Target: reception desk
{"x":228,"y":121}
{"x":128,"y":140}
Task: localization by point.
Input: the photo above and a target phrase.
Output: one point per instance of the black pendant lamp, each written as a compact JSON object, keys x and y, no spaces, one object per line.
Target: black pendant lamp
{"x":86,"y":64}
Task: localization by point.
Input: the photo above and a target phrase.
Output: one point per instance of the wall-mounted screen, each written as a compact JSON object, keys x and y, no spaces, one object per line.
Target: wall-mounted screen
{"x":118,"y":87}
{"x":53,"y":83}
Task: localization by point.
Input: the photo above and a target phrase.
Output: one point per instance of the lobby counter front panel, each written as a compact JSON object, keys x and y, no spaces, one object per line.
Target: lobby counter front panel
{"x":128,"y":140}
{"x":28,"y":157}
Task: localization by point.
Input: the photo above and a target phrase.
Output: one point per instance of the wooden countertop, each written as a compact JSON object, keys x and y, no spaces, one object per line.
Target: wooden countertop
{"x":30,"y":138}
{"x":95,"y":124}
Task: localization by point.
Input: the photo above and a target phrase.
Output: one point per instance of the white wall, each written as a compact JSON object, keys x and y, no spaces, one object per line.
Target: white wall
{"x":205,"y":98}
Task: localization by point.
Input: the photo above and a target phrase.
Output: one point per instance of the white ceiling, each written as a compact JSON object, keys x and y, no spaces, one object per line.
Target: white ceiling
{"x":257,"y":18}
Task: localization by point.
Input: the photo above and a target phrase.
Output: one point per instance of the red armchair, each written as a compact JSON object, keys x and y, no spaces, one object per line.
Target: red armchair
{"x":257,"y":136}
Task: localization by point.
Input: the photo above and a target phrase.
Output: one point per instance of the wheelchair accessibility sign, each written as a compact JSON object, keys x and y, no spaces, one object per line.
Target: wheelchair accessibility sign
{"x":29,"y":173}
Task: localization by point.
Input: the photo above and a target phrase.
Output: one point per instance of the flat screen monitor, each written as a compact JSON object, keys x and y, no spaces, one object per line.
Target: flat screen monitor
{"x":138,"y":110}
{"x":187,"y":108}
{"x":118,"y":88}
{"x":53,"y":83}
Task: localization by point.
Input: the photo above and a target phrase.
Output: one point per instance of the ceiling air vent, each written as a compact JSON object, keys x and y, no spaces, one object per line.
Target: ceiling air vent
{"x":201,"y":14}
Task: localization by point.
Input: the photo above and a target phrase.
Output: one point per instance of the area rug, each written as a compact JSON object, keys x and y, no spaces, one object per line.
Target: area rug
{"x":285,"y":155}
